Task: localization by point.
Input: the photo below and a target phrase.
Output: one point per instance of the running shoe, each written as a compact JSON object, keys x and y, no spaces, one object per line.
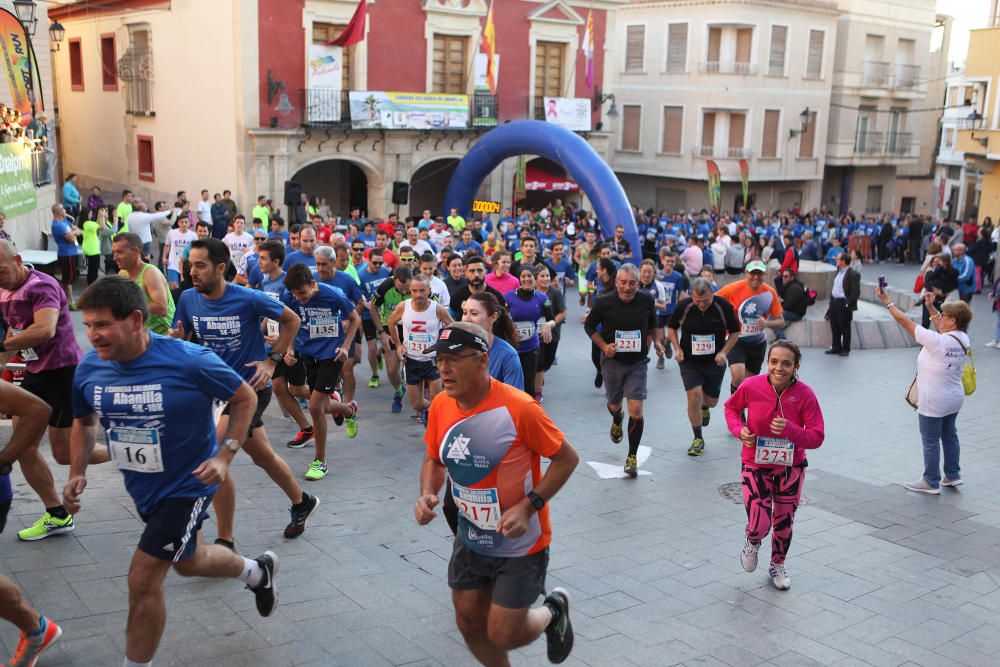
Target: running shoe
{"x":669,"y":351}
{"x":922,"y":486}
{"x":616,"y":432}
{"x":397,"y":404}
{"x":952,"y":482}
{"x":373,"y":382}
{"x":559,"y":633}
{"x":748,"y":557}
{"x":47,"y":526}
{"x":381,"y":363}
{"x":317,"y":471}
{"x":660,"y":363}
{"x":778,"y":577}
{"x":599,"y":380}
{"x":422,"y":416}
{"x":706,"y":416}
{"x":992,"y":343}
{"x":266,"y":592}
{"x":303,"y":403}
{"x":351,"y":423}
{"x":337,"y":419}
{"x":697,"y":447}
{"x":29,"y":648}
{"x":631,"y":466}
{"x":301,"y":438}
{"x":300,"y":515}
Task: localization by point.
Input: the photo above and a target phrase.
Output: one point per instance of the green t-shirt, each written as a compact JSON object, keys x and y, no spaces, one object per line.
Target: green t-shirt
{"x":456,"y":222}
{"x":91,"y":245}
{"x":122,"y":214}
{"x":261,"y":213}
{"x":160,"y":324}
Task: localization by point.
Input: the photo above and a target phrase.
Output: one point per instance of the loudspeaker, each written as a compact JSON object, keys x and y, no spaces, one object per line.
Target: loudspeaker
{"x":400,"y":192}
{"x":293,"y":192}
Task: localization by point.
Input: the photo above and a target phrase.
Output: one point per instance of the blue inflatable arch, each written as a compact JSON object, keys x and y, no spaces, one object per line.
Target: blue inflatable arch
{"x":535,"y":137}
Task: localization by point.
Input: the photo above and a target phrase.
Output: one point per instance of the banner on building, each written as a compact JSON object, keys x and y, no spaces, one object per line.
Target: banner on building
{"x":714,"y":183}
{"x":17,"y":191}
{"x":325,"y":78}
{"x":479,"y":82}
{"x":745,"y":179}
{"x":519,"y":185}
{"x":573,"y":113}
{"x":17,"y":57}
{"x":378,"y":110}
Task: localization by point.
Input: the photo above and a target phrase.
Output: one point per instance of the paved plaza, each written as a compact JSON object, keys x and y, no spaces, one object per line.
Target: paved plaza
{"x":880,"y":576}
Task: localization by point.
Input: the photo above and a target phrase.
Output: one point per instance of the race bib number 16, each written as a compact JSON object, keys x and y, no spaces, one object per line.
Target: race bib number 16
{"x":135,"y":449}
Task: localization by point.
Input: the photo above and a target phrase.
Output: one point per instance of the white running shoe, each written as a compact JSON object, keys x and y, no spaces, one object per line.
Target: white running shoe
{"x":921,"y":486}
{"x":952,"y":482}
{"x":778,"y":577}
{"x":992,"y":343}
{"x":748,"y":558}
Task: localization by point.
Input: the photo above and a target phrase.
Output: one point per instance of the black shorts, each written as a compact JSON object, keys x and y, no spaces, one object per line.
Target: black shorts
{"x":263,"y":400}
{"x":4,"y":510}
{"x":322,"y":375}
{"x":708,"y":376}
{"x":55,"y":387}
{"x":368,"y":328}
{"x":662,"y":320}
{"x":419,"y":371}
{"x":172,"y":529}
{"x":67,"y":267}
{"x":750,"y":354}
{"x":547,"y":354}
{"x":514,"y":583}
{"x":295,"y":375}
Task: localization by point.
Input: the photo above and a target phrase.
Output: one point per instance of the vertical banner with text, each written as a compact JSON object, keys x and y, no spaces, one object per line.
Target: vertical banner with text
{"x":17,"y":191}
{"x":745,"y":179}
{"x":714,"y":183}
{"x":15,"y":55}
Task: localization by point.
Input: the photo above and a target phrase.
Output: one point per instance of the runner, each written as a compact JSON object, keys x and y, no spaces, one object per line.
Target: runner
{"x":783,"y":420}
{"x":648,"y":284}
{"x":372,"y":276}
{"x":561,"y":265}
{"x":303,"y":254}
{"x":177,"y":241}
{"x":239,"y":242}
{"x":758,"y":307}
{"x":321,"y":347}
{"x":626,"y":319}
{"x":127,"y":250}
{"x":490,"y":438}
{"x":675,"y":287}
{"x":584,"y":256}
{"x":328,"y":262}
{"x":485,"y":311}
{"x":152,"y":396}
{"x":475,"y":275}
{"x":40,"y":330}
{"x":710,"y":330}
{"x":387,"y":297}
{"x":226,"y":318}
{"x":421,"y":320}
{"x":545,"y":284}
{"x":32,"y":414}
{"x":439,"y":289}
{"x":527,"y":307}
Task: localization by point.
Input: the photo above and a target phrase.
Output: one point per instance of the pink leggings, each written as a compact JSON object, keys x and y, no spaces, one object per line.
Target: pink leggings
{"x":771,"y":496}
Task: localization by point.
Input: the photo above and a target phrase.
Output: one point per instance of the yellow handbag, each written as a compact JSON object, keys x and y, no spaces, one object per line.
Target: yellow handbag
{"x":968,"y":371}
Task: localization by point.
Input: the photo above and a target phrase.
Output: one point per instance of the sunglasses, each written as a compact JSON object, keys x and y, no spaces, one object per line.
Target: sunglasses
{"x":376,"y":263}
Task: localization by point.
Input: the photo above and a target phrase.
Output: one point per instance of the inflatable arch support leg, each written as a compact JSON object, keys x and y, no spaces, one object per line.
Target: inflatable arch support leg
{"x":535,"y":137}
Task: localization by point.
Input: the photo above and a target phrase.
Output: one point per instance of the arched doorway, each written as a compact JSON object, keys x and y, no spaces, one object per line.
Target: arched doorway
{"x":342,"y":183}
{"x":428,"y":185}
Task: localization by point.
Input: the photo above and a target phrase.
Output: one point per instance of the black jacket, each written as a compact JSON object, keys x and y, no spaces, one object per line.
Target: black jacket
{"x":794,"y":298}
{"x":852,"y":288}
{"x":943,"y":279}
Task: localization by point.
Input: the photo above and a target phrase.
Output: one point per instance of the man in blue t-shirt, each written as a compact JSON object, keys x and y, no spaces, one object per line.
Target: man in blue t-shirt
{"x":561,"y":267}
{"x":227,"y":319}
{"x":675,"y":287}
{"x":65,"y":234}
{"x":331,"y":269}
{"x":371,"y":276}
{"x":304,"y":254}
{"x":153,"y":397}
{"x":323,"y":344}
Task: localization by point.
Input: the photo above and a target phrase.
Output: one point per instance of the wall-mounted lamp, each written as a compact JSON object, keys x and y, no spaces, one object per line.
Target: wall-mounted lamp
{"x":273,"y":88}
{"x":56,"y":34}
{"x":600,"y":99}
{"x":806,"y":118}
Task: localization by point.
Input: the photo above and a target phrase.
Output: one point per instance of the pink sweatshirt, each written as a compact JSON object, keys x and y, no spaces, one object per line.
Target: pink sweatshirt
{"x":503,"y":285}
{"x":797,"y":404}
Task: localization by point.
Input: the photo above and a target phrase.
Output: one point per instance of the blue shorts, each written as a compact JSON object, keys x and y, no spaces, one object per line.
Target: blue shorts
{"x":173,"y":276}
{"x":172,"y":529}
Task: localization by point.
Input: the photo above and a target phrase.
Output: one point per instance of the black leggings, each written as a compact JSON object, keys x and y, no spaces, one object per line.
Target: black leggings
{"x":547,"y":355}
{"x":529,"y":365}
{"x":93,"y":265}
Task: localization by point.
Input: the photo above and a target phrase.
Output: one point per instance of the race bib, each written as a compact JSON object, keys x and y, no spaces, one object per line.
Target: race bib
{"x":774,"y":451}
{"x":28,"y":353}
{"x":702,"y":344}
{"x":418,"y":342}
{"x":218,"y":407}
{"x":525,"y":330}
{"x":479,"y":506}
{"x":750,"y":328}
{"x":274,"y":295}
{"x":135,"y":449}
{"x":324,"y":327}
{"x":272,"y":328}
{"x":628,"y":341}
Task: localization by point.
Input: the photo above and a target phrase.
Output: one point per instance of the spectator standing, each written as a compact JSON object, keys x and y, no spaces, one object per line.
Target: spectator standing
{"x":262,"y":212}
{"x":92,"y":244}
{"x":205,"y":208}
{"x":71,"y":196}
{"x":3,"y":233}
{"x":843,"y":303}
{"x":966,"y":269}
{"x":95,"y":200}
{"x":221,"y":217}
{"x":227,"y":200}
{"x":65,"y":234}
{"x":123,"y":212}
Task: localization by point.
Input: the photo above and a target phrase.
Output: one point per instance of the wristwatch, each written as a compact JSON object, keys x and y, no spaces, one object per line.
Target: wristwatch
{"x":233,"y":445}
{"x":536,"y":500}
{"x":5,"y":468}
{"x":276,"y":357}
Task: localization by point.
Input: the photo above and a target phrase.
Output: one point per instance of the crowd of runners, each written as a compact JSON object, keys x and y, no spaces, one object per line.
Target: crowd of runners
{"x":463,"y":318}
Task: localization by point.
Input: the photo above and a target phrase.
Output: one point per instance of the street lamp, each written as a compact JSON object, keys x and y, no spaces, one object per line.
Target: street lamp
{"x":25,"y":11}
{"x":806,"y":119}
{"x":612,"y":110}
{"x":56,"y":33}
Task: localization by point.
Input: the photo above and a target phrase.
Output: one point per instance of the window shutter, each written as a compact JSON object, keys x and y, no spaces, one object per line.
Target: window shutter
{"x":631,"y":120}
{"x":807,"y":139}
{"x":744,"y":43}
{"x":714,"y":44}
{"x":677,"y":46}
{"x":708,"y":131}
{"x":635,"y":46}
{"x":673,"y":121}
{"x":814,"y":64}
{"x":776,"y":58}
{"x":737,"y":128}
{"x":769,"y":145}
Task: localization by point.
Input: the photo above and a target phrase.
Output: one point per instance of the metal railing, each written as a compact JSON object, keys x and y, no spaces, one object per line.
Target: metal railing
{"x":722,"y":152}
{"x":485,"y":110}
{"x":42,"y":165}
{"x":727,"y":67}
{"x":331,"y":108}
{"x":907,"y":76}
{"x":869,"y":143}
{"x":883,"y":143}
{"x":899,"y":143}
{"x":874,"y":74}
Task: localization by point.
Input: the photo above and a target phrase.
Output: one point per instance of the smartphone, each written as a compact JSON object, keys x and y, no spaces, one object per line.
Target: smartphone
{"x":881,"y":283}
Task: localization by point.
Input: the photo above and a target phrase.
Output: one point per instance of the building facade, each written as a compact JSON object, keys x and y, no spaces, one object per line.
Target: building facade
{"x":246,"y":113}
{"x":957,"y":185}
{"x":723,"y":81}
{"x":979,"y":132}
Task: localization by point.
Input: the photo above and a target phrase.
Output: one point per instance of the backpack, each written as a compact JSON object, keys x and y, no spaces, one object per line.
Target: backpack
{"x":811,"y":296}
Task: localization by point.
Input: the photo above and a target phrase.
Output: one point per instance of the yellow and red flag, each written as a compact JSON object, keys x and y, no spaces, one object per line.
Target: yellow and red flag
{"x":490,"y":47}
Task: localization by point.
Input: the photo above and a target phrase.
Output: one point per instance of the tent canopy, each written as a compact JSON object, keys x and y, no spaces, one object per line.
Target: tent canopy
{"x":536,"y":178}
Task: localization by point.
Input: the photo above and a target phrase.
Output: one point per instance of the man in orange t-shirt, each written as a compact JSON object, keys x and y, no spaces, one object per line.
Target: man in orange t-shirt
{"x":757,"y":307}
{"x":489,"y":438}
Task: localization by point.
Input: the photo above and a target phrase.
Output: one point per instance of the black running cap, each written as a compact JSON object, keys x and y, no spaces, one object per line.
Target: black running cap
{"x":455,"y":339}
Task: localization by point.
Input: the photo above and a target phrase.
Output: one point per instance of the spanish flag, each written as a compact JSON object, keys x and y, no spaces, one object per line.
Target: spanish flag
{"x":490,"y":47}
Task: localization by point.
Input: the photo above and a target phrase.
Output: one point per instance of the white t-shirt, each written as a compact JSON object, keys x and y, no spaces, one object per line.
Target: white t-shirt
{"x":440,"y":291}
{"x":438,"y":237}
{"x":419,"y":246}
{"x":238,"y":245}
{"x":177,"y":241}
{"x":139,"y":223}
{"x":205,"y":211}
{"x":939,"y":372}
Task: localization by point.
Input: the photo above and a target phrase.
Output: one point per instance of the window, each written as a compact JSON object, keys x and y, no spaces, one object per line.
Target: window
{"x":677,"y":47}
{"x":776,"y":57}
{"x":737,"y":128}
{"x":75,"y":65}
{"x":807,"y":139}
{"x":873,"y":202}
{"x":814,"y":58}
{"x":769,"y":144}
{"x":109,"y":64}
{"x":954,"y":172}
{"x":744,"y":42}
{"x":324,"y":33}
{"x":135,"y":68}
{"x":635,"y":47}
{"x":450,"y":67}
{"x":631,"y":124}
{"x":707,"y":132}
{"x":549,"y":58}
{"x":673,"y":122}
{"x":147,"y":170}
{"x":714,"y":44}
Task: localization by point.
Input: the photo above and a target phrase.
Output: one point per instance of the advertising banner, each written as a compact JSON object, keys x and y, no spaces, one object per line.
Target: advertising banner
{"x":745,"y":180}
{"x":17,"y":192}
{"x":326,"y":69}
{"x":479,"y":82}
{"x":378,"y":110}
{"x":15,"y":55}
{"x":714,"y":183}
{"x":573,"y":113}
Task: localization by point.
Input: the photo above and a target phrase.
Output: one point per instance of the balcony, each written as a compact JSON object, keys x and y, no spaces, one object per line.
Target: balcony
{"x":875,"y":74}
{"x":732,"y":67}
{"x":869,"y":143}
{"x":897,"y":144}
{"x":331,"y":108}
{"x":907,"y":77}
{"x":42,"y":164}
{"x":722,"y":152}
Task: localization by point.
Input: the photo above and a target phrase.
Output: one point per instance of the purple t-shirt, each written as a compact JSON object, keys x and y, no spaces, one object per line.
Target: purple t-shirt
{"x":18,"y":308}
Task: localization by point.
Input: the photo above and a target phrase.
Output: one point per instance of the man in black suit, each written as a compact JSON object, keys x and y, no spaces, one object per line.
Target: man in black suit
{"x":843,"y":303}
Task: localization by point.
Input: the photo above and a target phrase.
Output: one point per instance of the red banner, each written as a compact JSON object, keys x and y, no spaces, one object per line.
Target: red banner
{"x":745,"y":177}
{"x":714,"y":183}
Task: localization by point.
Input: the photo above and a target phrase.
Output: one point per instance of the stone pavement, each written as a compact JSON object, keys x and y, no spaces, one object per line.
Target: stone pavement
{"x":880,"y":576}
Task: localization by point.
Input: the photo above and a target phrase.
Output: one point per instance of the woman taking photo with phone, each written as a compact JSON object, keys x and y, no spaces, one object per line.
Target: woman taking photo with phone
{"x":783,"y":420}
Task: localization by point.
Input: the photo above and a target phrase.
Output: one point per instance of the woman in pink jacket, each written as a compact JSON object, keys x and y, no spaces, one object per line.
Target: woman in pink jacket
{"x":783,"y":420}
